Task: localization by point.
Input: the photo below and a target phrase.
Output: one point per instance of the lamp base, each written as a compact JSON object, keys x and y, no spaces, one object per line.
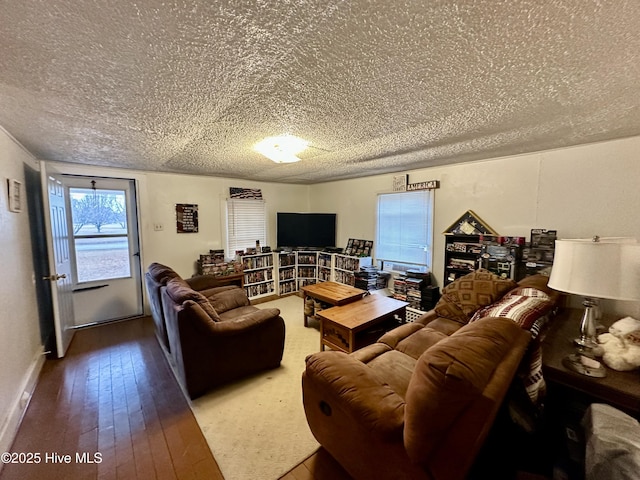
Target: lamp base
{"x":588,"y":335}
{"x":584,"y":365}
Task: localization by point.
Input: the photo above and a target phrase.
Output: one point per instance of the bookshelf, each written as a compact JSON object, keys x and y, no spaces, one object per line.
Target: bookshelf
{"x":258,"y":275}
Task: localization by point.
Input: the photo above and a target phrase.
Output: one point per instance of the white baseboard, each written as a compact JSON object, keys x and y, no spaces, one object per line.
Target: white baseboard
{"x":20,"y":403}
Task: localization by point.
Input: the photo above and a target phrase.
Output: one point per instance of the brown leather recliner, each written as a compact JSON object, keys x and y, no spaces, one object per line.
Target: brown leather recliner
{"x":216,"y":336}
{"x":419,"y":403}
{"x":156,"y":278}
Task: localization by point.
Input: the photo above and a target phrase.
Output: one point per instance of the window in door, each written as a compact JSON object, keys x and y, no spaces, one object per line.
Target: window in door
{"x":404,"y":230}
{"x":245,"y":224}
{"x":100,"y":234}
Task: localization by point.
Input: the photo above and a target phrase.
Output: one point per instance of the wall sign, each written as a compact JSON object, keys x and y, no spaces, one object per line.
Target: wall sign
{"x":186,"y":218}
{"x":401,"y":184}
{"x":428,"y":185}
{"x":15,"y":195}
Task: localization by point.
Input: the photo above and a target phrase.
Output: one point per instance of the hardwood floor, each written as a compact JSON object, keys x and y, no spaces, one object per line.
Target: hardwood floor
{"x":113,"y":396}
{"x":114,"y":399}
{"x":319,"y":466}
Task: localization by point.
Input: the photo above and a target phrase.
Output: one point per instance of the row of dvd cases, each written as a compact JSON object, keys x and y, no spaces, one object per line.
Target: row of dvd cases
{"x":280,"y":273}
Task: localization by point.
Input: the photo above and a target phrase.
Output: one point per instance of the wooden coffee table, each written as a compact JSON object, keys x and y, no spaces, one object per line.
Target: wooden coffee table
{"x":360,"y":323}
{"x":332,"y":293}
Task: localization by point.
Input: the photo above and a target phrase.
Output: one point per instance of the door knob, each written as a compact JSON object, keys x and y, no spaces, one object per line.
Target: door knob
{"x":55,"y":277}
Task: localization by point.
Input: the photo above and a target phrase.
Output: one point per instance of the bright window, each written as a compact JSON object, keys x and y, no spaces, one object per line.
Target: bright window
{"x":245,"y":224}
{"x":404,"y":230}
{"x":100,"y":234}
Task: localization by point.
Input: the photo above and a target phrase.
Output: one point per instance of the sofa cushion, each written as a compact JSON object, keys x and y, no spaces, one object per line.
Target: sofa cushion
{"x":161,"y":273}
{"x":230,"y":298}
{"x":461,"y":298}
{"x":416,"y":344}
{"x":396,"y":368}
{"x":179,"y":291}
{"x":451,"y":375}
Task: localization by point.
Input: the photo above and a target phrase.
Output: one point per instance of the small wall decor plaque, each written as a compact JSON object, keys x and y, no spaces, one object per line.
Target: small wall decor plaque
{"x":15,"y":195}
{"x":186,"y":218}
{"x":400,"y":182}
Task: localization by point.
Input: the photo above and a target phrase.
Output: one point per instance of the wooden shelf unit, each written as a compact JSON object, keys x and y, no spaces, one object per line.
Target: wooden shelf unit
{"x":461,"y":255}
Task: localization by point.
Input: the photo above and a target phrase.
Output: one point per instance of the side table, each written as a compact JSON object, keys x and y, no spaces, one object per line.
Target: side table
{"x":618,"y":389}
{"x":569,"y":394}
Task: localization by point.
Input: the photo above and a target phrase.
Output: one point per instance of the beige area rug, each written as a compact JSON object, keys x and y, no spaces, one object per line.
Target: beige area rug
{"x":256,"y":428}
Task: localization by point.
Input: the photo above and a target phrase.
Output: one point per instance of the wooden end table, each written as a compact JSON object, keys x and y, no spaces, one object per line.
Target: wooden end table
{"x":352,"y":326}
{"x":332,"y":293}
{"x":618,"y":389}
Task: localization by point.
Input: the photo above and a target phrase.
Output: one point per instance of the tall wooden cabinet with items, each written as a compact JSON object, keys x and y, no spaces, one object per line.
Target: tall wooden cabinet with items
{"x":461,"y":255}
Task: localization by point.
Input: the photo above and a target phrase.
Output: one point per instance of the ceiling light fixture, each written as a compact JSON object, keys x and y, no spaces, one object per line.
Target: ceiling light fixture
{"x":282,"y":149}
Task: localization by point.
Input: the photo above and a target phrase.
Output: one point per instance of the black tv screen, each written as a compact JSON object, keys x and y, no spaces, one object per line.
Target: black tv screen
{"x":311,"y":230}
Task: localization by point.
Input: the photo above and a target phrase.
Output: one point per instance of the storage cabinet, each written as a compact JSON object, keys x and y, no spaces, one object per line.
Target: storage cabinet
{"x":325,"y":267}
{"x":461,"y":256}
{"x":258,"y":275}
{"x":306,"y":268}
{"x":345,"y":267}
{"x":286,"y":272}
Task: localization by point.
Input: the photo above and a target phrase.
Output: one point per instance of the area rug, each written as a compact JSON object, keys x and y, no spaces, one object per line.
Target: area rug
{"x":256,"y":428}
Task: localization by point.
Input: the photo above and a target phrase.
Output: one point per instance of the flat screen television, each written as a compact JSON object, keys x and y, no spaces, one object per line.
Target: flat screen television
{"x":306,"y":230}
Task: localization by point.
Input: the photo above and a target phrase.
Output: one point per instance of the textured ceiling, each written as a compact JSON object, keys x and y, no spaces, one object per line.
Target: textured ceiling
{"x":375,"y":86}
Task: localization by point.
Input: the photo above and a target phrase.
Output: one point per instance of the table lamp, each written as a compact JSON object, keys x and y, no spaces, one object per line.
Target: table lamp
{"x":596,"y":268}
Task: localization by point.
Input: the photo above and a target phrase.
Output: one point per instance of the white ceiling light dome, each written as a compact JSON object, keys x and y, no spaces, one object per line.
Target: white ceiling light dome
{"x":282,"y":149}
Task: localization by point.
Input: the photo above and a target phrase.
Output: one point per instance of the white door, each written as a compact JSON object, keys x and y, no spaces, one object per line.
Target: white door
{"x":59,"y":257}
{"x":104,"y":249}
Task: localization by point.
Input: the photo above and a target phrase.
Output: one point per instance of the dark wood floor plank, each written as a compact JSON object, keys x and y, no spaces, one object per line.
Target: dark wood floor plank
{"x":113,"y":393}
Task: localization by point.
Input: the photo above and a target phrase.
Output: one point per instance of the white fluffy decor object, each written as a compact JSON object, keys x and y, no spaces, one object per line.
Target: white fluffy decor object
{"x":619,"y":347}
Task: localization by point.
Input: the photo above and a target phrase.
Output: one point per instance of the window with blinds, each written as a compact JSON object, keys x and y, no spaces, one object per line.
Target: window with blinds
{"x":246,"y":223}
{"x":404,"y":229}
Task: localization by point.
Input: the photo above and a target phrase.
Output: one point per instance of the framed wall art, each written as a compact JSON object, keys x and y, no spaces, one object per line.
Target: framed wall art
{"x":15,"y":195}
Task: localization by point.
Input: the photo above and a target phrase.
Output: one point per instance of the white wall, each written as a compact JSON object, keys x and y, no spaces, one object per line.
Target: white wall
{"x":20,"y":339}
{"x":580,"y":191}
{"x":158,"y":194}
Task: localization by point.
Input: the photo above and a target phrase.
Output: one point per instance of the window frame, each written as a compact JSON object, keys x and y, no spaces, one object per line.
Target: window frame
{"x":404,"y":262}
{"x":236,"y":212}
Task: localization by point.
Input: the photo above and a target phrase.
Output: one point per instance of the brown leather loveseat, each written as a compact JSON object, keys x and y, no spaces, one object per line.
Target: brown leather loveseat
{"x":419,"y":403}
{"x":156,"y":277}
{"x":214,"y":334}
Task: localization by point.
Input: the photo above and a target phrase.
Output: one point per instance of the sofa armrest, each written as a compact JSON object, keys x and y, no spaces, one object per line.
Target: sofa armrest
{"x":353,"y":387}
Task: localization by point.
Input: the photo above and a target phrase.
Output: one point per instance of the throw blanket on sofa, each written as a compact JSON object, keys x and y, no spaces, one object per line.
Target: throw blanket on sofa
{"x":529,"y":308}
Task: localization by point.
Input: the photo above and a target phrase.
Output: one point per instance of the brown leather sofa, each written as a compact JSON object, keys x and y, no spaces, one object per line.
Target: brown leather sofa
{"x":216,"y":336}
{"x":156,"y":277}
{"x":419,"y":403}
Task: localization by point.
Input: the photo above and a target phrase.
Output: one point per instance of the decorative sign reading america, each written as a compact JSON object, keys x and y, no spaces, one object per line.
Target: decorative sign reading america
{"x":401,"y":184}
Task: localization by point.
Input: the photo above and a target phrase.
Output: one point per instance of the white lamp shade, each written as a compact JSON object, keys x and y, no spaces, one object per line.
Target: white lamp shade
{"x":608,"y":268}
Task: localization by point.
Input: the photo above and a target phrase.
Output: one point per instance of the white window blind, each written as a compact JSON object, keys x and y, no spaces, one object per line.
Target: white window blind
{"x":404,"y":227}
{"x":245,"y":224}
